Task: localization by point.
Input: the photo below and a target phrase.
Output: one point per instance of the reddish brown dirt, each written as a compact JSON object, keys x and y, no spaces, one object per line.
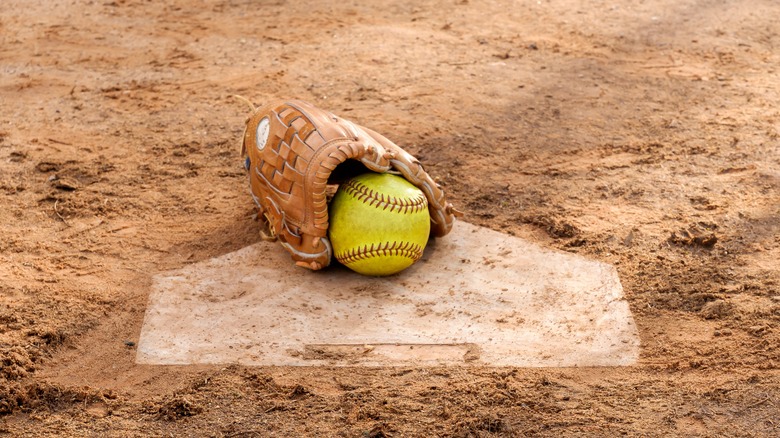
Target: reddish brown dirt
{"x":643,"y":134}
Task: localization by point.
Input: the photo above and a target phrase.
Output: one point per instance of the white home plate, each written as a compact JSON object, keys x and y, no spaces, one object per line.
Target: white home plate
{"x":477,"y":297}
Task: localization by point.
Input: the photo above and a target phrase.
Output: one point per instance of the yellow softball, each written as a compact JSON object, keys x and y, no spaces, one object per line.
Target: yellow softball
{"x":379,"y":224}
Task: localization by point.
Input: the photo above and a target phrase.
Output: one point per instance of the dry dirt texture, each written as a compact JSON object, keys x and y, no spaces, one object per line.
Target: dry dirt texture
{"x":644,"y":134}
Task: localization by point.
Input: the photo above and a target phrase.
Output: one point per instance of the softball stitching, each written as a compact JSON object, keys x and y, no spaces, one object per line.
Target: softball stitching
{"x":368,"y":196}
{"x":403,"y":249}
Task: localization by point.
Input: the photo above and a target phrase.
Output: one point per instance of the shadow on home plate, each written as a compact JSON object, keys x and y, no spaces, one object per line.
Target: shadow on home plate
{"x":478,"y":297}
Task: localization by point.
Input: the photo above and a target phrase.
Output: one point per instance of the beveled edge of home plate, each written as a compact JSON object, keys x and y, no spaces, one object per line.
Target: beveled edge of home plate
{"x":478,"y":297}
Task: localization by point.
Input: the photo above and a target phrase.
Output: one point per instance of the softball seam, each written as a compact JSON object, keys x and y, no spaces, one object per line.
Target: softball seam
{"x":365,"y":194}
{"x":403,"y":249}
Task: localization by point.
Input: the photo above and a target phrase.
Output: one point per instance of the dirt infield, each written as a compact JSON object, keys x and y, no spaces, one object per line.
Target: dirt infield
{"x":641,"y":134}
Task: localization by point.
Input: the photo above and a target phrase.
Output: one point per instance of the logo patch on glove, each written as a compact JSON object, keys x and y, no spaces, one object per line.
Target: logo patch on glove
{"x":261,"y":137}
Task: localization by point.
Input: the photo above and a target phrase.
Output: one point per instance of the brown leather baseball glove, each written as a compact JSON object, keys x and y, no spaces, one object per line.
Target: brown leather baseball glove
{"x":297,"y":154}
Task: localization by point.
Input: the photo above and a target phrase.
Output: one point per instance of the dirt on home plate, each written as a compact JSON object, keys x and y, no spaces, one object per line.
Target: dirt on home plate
{"x":641,"y":134}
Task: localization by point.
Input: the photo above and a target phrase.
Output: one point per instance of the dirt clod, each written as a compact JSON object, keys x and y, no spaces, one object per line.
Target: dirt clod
{"x":716,"y":309}
{"x":693,"y":238}
{"x":176,"y":408}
